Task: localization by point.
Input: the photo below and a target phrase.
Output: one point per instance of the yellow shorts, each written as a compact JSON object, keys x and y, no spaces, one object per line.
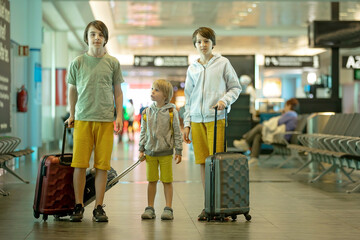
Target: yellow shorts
{"x":152,"y":168}
{"x":93,"y":135}
{"x":203,"y":139}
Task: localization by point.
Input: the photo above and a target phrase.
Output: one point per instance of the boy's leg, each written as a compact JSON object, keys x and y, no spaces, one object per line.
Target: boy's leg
{"x":199,"y":141}
{"x":220,"y":133}
{"x":83,"y":145}
{"x":100,"y":186}
{"x":79,"y":179}
{"x":103,"y":134}
{"x":168,"y":211}
{"x":149,"y":212}
{"x":151,"y":193}
{"x":152,"y":176}
{"x":166,"y":176}
{"x":168,"y":192}
{"x":79,"y":184}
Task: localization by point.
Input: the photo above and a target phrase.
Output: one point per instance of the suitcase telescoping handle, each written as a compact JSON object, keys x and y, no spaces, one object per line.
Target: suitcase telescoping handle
{"x":215,"y":129}
{"x":64,"y":139}
{"x":65,"y":160}
{"x":126,"y":171}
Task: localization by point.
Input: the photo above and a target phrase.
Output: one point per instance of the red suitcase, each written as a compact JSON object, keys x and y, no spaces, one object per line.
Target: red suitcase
{"x":54,"y":193}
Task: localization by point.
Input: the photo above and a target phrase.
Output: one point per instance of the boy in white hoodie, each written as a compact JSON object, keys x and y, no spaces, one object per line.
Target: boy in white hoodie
{"x":160,"y":135}
{"x":211,"y":82}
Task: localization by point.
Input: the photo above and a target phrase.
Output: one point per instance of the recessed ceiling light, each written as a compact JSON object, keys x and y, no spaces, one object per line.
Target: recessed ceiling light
{"x":243,"y":14}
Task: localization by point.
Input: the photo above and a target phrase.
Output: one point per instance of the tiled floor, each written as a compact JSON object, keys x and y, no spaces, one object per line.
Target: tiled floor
{"x":282,"y":206}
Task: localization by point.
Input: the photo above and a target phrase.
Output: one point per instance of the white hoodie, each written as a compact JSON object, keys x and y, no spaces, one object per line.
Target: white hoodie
{"x":205,"y":85}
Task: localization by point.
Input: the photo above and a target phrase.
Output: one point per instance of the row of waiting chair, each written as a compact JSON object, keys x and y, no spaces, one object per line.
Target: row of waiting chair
{"x":338,"y":145}
{"x":8,"y":151}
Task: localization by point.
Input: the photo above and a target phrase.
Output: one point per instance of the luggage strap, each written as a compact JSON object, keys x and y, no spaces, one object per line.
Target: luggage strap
{"x":171,"y":113}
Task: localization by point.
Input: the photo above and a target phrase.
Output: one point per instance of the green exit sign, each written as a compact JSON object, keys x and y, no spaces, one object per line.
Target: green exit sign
{"x":356,"y":74}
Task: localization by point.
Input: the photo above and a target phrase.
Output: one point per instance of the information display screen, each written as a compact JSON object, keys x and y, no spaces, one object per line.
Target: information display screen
{"x":327,"y":34}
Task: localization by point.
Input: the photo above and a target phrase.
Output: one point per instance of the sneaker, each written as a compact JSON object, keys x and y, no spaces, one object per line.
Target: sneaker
{"x":253,"y":161}
{"x":202,"y":216}
{"x":167,"y":214}
{"x":78,"y":213}
{"x":99,"y":214}
{"x":149,"y":213}
{"x":242,"y":145}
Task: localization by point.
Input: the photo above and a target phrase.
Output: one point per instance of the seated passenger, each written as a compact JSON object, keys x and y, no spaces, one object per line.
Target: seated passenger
{"x":286,"y":122}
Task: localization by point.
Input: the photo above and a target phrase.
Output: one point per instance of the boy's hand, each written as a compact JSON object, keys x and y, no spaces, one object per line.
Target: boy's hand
{"x":178,"y":159}
{"x":186,"y":135}
{"x":119,"y":125}
{"x":220,"y":105}
{"x":70,"y":121}
{"x":142,"y":156}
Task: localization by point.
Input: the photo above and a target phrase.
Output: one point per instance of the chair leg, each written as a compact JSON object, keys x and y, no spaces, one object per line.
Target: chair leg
{"x":293,"y":155}
{"x":285,"y":161}
{"x":307,"y":163}
{"x":13,"y":173}
{"x":354,"y":189}
{"x":4,"y":193}
{"x":347,"y":174}
{"x":270,"y":156}
{"x":333,"y":167}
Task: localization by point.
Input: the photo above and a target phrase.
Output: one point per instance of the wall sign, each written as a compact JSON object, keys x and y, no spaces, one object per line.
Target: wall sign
{"x":357,"y":74}
{"x":291,"y":61}
{"x":161,"y":61}
{"x":351,"y":62}
{"x":5,"y":78}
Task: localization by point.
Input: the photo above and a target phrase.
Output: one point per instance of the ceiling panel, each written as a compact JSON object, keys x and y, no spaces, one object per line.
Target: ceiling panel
{"x":165,"y":27}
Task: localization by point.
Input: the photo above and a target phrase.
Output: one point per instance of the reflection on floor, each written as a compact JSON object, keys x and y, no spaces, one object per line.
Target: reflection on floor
{"x":282,"y":206}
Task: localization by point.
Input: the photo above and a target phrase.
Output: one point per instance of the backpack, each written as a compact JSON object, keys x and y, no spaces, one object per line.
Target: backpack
{"x":170,"y":113}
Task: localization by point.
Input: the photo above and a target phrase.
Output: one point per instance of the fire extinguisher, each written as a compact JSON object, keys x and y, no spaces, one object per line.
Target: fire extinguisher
{"x":22,"y":99}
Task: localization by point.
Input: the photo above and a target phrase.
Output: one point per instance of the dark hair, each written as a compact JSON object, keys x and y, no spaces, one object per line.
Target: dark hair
{"x":206,"y":33}
{"x":99,"y":25}
{"x":293,"y":102}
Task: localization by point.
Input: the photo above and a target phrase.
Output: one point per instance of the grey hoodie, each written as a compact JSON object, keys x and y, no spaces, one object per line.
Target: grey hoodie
{"x":156,"y":136}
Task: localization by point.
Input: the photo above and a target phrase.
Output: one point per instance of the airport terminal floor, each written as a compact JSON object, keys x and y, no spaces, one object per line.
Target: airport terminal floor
{"x":282,"y":206}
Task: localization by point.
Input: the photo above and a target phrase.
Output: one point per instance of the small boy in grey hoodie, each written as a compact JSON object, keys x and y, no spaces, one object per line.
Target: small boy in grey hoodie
{"x":160,"y":135}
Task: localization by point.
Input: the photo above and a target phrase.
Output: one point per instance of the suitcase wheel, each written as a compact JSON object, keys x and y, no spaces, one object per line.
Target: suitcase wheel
{"x":247,"y":216}
{"x":45,"y":217}
{"x":36,"y":214}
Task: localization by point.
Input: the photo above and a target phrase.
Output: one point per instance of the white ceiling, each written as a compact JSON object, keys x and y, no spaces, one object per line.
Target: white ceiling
{"x":166,"y":26}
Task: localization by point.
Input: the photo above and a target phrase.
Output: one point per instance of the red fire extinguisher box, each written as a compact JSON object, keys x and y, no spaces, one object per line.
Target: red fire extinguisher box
{"x":22,"y":99}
